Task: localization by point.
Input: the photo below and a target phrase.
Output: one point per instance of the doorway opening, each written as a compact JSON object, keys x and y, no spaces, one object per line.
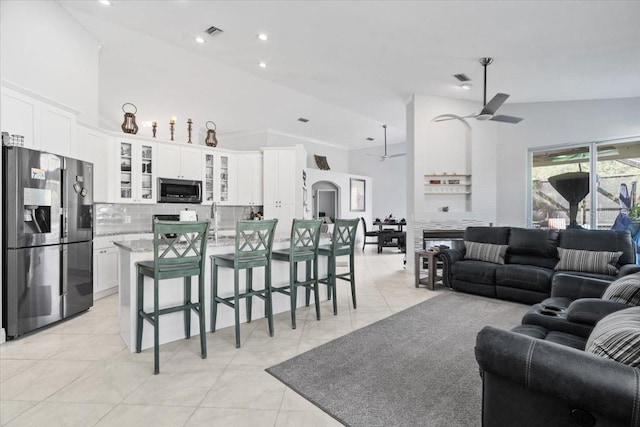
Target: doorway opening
{"x":326,"y":201}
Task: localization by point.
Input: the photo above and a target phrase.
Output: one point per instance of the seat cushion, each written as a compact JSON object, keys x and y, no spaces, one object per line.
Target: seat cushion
{"x":475,"y":272}
{"x":533,"y":247}
{"x":617,"y":337}
{"x":555,"y":320}
{"x":625,"y":290}
{"x":526,"y":277}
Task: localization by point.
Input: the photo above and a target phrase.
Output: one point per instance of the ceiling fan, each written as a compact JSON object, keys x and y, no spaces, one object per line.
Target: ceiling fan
{"x":386,"y":156}
{"x":489,"y":109}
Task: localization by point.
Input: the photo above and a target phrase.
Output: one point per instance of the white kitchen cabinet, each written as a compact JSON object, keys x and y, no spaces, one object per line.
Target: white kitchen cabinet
{"x":249,"y":179}
{"x":282,"y":185}
{"x":105,"y":266}
{"x":226,"y":165}
{"x":208,"y":178}
{"x":45,"y":124}
{"x":136,"y":171}
{"x":179,"y":162}
{"x":93,"y":145}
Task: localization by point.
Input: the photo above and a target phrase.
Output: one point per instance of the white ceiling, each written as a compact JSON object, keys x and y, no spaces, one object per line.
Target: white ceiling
{"x":370,"y":56}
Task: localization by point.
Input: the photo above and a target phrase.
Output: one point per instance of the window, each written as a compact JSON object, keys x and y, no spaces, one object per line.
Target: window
{"x":561,"y":186}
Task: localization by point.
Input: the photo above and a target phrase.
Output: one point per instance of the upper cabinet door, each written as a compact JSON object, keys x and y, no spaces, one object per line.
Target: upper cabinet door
{"x":93,"y":146}
{"x":191,"y":163}
{"x":57,"y":130}
{"x":208,"y":178}
{"x":249,"y":179}
{"x":228,"y":184}
{"x":279,"y":176}
{"x":136,"y":172}
{"x":18,"y":116}
{"x":168,"y":161}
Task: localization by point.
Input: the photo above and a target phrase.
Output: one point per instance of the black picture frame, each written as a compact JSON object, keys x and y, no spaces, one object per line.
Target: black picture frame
{"x":357,"y":195}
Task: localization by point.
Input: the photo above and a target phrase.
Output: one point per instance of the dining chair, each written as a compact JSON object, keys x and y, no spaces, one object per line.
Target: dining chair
{"x":342,"y":243}
{"x":372,"y":233}
{"x":305,"y":237}
{"x":253,"y":249}
{"x":179,"y":250}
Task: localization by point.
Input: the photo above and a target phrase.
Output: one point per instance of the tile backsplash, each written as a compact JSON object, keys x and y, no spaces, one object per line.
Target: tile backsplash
{"x":120,"y":218}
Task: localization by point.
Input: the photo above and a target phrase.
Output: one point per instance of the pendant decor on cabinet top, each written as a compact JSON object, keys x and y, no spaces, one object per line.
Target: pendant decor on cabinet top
{"x":211,"y":139}
{"x":129,"y":124}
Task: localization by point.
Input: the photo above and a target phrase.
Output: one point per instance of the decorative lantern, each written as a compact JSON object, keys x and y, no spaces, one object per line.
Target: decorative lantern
{"x":211,"y":139}
{"x":129,"y":124}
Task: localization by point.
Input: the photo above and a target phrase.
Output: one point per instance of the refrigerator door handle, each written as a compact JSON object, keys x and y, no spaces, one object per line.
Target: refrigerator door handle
{"x":64,"y":261}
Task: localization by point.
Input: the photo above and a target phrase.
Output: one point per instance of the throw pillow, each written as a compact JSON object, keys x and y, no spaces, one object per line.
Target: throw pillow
{"x":485,"y":252}
{"x":617,"y":337}
{"x":588,"y":261}
{"x":625,"y":290}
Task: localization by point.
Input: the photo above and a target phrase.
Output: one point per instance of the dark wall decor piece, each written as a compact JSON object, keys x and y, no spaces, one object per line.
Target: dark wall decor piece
{"x":172,"y":126}
{"x":189,"y":127}
{"x":357,"y":195}
{"x":129,"y":124}
{"x":211,"y":139}
{"x":154,"y":128}
{"x":321,"y":162}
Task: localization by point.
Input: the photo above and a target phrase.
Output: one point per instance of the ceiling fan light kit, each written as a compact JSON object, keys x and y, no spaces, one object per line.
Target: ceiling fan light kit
{"x":489,"y":109}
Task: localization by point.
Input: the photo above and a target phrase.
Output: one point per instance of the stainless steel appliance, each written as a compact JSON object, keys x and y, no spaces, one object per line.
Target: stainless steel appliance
{"x":47,"y":232}
{"x":179,"y":191}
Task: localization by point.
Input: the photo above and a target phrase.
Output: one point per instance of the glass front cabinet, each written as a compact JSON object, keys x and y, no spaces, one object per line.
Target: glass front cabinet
{"x":137,"y":179}
{"x":209,"y":193}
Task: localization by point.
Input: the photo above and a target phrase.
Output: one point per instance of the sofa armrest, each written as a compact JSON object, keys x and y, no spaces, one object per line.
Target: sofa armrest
{"x":589,"y":311}
{"x":628,"y":269}
{"x":601,"y":387}
{"x":574,"y":286}
{"x":448,"y":258}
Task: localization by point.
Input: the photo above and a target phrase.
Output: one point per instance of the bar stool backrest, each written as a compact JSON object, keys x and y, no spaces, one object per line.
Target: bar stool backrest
{"x":344,"y":235}
{"x":305,"y":235}
{"x":254,"y":239}
{"x":185,"y":249}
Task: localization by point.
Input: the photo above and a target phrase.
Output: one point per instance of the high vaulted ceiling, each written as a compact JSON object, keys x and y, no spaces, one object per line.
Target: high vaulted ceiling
{"x":370,"y":56}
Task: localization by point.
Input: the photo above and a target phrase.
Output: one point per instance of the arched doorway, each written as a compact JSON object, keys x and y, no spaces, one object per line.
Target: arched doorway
{"x":326,"y":200}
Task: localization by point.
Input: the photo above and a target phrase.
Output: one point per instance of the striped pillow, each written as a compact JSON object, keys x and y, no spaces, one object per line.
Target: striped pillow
{"x":588,"y":261}
{"x":485,"y":252}
{"x":625,"y":290}
{"x":617,"y":337}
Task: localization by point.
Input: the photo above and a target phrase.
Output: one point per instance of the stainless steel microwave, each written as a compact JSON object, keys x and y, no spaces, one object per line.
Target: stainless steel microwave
{"x":179,"y":191}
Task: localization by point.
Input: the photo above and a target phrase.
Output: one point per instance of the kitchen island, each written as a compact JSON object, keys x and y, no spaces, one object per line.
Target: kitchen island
{"x":171,"y":326}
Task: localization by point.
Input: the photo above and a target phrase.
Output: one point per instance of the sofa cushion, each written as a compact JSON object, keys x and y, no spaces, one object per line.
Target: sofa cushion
{"x":533,"y":247}
{"x":526,"y":277}
{"x":485,"y":252}
{"x":601,"y":262}
{"x":543,"y":333}
{"x":617,"y":337}
{"x":600,"y":240}
{"x":493,"y":235}
{"x":625,"y":290}
{"x":475,"y":272}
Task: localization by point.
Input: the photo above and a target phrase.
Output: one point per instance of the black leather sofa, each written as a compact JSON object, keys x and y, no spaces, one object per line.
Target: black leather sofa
{"x":529,"y":382}
{"x":528,"y":274}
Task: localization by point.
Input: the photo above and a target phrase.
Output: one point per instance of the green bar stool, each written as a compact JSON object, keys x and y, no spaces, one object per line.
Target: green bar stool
{"x":342,"y":243}
{"x":253,"y":248}
{"x":181,"y":255}
{"x":305,"y":236}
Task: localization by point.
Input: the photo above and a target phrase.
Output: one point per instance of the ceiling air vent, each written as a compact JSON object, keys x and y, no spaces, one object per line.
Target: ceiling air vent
{"x":303,"y":120}
{"x":212,"y":31}
{"x":462,"y":77}
{"x":369,"y":139}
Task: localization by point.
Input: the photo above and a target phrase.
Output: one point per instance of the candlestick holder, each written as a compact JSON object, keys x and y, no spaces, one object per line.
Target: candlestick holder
{"x":154,"y":128}
{"x":172,"y":127}
{"x":189,"y":127}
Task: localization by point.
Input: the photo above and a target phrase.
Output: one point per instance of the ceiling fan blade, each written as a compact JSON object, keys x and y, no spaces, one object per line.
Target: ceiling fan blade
{"x":374,"y":155}
{"x":495,"y":103}
{"x":506,"y":119}
{"x":390,"y":156}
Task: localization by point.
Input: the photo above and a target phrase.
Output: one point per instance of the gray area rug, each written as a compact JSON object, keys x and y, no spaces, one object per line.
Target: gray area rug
{"x":414,"y":368}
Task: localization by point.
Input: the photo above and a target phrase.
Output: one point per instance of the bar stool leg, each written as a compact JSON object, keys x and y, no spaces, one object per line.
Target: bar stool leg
{"x":201,"y":317}
{"x":236,"y":304}
{"x":214,"y":295}
{"x":187,"y":313}
{"x":249,"y":279}
{"x":156,"y":329}
{"x":140,"y":324}
{"x":332,"y":284}
{"x":293,"y":274}
{"x":352,"y":279}
{"x":268,"y":300}
{"x":316,"y":291}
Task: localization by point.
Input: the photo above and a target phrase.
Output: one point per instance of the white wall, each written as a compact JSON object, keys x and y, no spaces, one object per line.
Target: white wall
{"x":389,"y":178}
{"x":48,"y":52}
{"x":553,"y":123}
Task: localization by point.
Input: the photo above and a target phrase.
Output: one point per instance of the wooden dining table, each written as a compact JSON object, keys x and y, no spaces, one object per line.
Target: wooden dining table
{"x":397,"y":224}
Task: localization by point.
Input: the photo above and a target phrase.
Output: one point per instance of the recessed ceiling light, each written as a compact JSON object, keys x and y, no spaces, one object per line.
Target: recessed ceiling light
{"x":466,"y":86}
{"x":263,"y":65}
{"x":263,"y":37}
{"x":105,"y":2}
{"x":199,"y":39}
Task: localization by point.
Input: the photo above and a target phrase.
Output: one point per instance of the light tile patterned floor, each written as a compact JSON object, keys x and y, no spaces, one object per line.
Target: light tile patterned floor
{"x":79,"y":373}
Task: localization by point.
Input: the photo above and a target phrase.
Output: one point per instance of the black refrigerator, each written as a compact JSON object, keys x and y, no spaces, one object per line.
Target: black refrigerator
{"x":47,"y":233}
